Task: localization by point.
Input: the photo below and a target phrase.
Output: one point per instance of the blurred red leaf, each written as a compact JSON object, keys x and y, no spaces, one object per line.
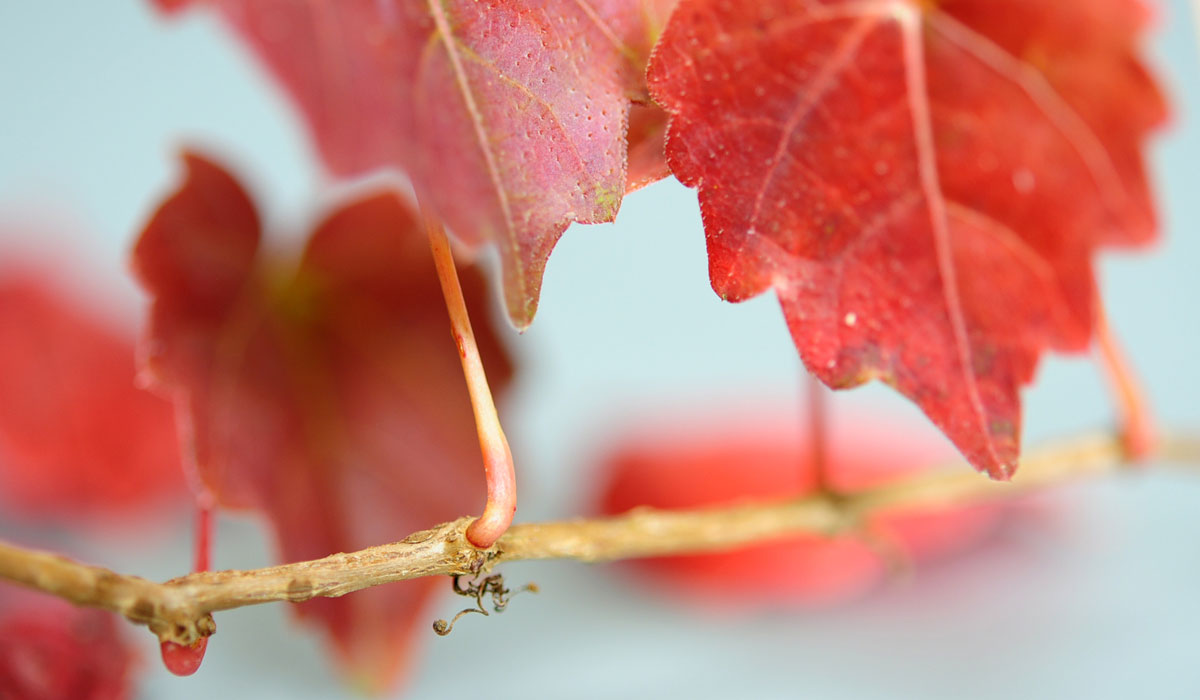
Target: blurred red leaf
{"x":922,"y":183}
{"x":51,"y":650}
{"x":516,"y":108}
{"x":77,"y":437}
{"x":330,"y":398}
{"x":724,"y":461}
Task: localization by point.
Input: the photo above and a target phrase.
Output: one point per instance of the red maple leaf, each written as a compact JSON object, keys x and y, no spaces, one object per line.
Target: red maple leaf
{"x":922,"y":183}
{"x":518,"y":108}
{"x":50,"y":650}
{"x":77,"y":437}
{"x":720,"y":460}
{"x":329,"y":397}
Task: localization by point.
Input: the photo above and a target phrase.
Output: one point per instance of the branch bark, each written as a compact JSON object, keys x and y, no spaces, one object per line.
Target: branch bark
{"x":180,"y":610}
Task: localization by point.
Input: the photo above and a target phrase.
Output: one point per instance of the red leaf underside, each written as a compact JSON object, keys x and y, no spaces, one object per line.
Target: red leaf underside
{"x":329,"y":397}
{"x":77,"y":437}
{"x":51,"y":650}
{"x":922,"y":184}
{"x":514,"y":106}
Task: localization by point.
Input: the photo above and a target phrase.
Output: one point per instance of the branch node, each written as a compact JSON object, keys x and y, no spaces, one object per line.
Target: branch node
{"x":181,"y":628}
{"x":847,"y":520}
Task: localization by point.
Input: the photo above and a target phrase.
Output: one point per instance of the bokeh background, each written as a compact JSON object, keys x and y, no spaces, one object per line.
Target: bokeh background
{"x":1092,"y":594}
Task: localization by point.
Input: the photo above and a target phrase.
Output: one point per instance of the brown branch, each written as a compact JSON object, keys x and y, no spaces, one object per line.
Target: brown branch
{"x":180,"y":610}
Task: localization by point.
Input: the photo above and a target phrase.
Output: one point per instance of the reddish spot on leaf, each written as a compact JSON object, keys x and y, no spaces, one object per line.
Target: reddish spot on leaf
{"x":330,"y":397}
{"x":727,"y":461}
{"x":50,"y":650}
{"x":77,"y":437}
{"x":922,"y":184}
{"x":517,"y":109}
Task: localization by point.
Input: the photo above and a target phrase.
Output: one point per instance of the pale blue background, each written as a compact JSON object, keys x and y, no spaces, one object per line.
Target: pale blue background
{"x":1099,"y":598}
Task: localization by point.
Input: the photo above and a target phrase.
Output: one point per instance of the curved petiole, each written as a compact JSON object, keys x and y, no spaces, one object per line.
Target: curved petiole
{"x":1137,"y":427}
{"x":497,"y":458}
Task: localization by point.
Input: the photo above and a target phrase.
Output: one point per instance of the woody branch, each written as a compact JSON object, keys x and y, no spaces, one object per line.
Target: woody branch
{"x":180,"y":610}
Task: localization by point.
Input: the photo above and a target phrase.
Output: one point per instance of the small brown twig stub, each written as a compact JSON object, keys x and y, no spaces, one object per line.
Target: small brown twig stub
{"x":491,"y":585}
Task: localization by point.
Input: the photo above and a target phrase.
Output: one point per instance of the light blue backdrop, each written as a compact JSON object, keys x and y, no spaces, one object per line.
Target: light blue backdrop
{"x":1098,"y":599}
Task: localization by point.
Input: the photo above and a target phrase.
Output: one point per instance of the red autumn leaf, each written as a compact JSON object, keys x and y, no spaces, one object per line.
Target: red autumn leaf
{"x":922,"y":183}
{"x":77,"y":436}
{"x":647,"y":141}
{"x":330,"y":398}
{"x":50,"y":650}
{"x":647,"y":130}
{"x":726,"y":461}
{"x":518,"y":109}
